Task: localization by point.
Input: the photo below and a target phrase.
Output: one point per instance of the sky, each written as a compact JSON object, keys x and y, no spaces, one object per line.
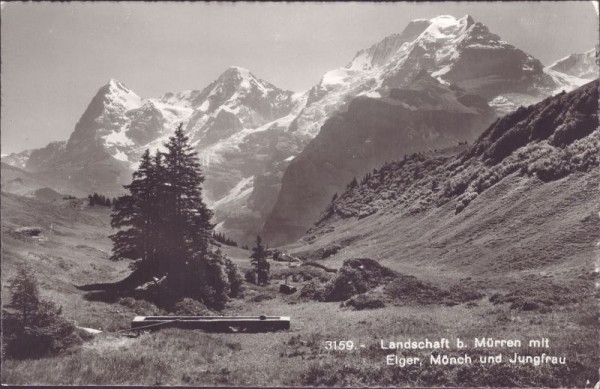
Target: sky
{"x":55,"y":56}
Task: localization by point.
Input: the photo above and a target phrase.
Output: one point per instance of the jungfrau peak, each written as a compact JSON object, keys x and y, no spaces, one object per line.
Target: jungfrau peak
{"x":455,"y":51}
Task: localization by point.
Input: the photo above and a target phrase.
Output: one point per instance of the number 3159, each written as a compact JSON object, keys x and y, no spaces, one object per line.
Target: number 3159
{"x":340,"y":345}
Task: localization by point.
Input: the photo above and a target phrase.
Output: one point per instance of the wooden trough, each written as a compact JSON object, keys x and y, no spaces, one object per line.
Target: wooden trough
{"x":214,"y":323}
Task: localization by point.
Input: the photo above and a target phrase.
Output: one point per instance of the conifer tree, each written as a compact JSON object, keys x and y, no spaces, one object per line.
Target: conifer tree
{"x":25,"y":295}
{"x":134,"y":211}
{"x":35,"y":327}
{"x":258,"y":259}
{"x":165,"y":226}
{"x":186,"y":221}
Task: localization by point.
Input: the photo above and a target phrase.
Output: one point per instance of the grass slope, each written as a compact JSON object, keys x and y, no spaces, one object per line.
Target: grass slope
{"x":178,"y":357}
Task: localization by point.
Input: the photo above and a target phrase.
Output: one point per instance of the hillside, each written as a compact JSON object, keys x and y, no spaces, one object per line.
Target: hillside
{"x":546,"y":141}
{"x":71,"y":248}
{"x":25,"y":183}
{"x":442,"y":250}
{"x":425,"y":115}
{"x":520,"y":203}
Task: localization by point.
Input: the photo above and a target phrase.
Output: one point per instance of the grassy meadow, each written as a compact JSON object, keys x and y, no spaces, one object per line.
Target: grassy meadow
{"x":446,"y":251}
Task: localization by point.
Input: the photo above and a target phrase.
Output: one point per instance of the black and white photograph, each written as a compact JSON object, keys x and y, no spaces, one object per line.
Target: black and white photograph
{"x":300,"y":194}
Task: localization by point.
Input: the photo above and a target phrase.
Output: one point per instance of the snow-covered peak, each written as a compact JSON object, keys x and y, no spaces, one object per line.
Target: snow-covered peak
{"x":236,"y":99}
{"x":238,"y":70}
{"x":182,"y":99}
{"x":581,"y":65}
{"x":235,"y":87}
{"x":467,"y":19}
{"x":447,"y":34}
{"x":235,"y":73}
{"x":241,"y":78}
{"x":458,"y":51}
{"x":444,"y":21}
{"x":443,"y":27}
{"x":446,"y":26}
{"x":120,"y":97}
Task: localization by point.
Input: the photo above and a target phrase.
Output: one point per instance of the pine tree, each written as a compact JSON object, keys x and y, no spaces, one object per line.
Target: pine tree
{"x":353,"y":184}
{"x":165,"y":225}
{"x":35,"y":327}
{"x":259,"y":261}
{"x":133,"y":211}
{"x":186,"y":219}
{"x":25,"y":297}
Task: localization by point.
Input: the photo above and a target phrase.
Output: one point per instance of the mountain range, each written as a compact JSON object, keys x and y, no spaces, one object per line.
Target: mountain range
{"x":272,"y":158}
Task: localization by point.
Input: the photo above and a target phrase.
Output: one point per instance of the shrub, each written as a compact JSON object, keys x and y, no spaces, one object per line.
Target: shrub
{"x":313,"y":290}
{"x":190,"y":307}
{"x":34,"y":327}
{"x":331,"y":250}
{"x":205,"y":279}
{"x":139,"y":307}
{"x":262,"y":297}
{"x":250,"y":276}
{"x":464,"y":200}
{"x":551,"y":168}
{"x":236,"y":283}
{"x":574,"y":127}
{"x":356,"y":276}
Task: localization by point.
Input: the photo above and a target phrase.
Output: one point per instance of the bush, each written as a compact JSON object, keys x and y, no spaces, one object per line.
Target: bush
{"x":261,"y":297}
{"x":190,"y":307}
{"x":250,"y":276}
{"x":139,"y":307}
{"x":356,"y":276}
{"x":204,"y":279}
{"x":331,"y":250}
{"x":314,"y":290}
{"x":34,"y":327}
{"x":551,"y":167}
{"x":236,"y":283}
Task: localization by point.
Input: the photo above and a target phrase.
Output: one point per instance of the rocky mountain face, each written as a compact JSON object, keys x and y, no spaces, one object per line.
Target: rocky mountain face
{"x":47,"y":155}
{"x":247,"y":131}
{"x":551,"y":140}
{"x":425,"y":115}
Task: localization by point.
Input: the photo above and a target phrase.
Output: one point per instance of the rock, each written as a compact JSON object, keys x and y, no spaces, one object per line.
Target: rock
{"x":287,"y":289}
{"x":28,"y":231}
{"x":92,"y":331}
